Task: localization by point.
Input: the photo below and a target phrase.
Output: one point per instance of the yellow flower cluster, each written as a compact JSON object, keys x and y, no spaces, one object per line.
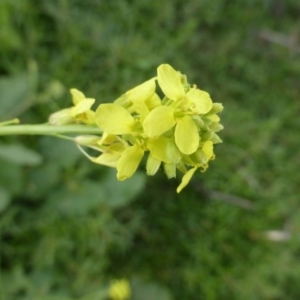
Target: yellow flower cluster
{"x":177,"y":131}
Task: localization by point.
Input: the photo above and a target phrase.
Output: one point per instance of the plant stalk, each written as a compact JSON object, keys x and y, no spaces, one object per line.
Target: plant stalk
{"x":45,"y":129}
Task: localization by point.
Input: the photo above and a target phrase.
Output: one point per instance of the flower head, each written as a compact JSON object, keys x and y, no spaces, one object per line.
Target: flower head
{"x":177,"y":131}
{"x":79,"y":113}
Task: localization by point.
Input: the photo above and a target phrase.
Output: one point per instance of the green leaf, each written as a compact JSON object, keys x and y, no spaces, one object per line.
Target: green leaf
{"x":118,"y":193}
{"x":61,"y":152}
{"x":77,"y":200}
{"x":11,"y":177}
{"x":13,"y":91}
{"x":42,"y":180}
{"x":16,"y":92}
{"x":20,"y":155}
{"x":4,"y":199}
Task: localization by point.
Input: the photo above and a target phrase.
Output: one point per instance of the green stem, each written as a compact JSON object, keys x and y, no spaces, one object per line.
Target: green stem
{"x":41,"y":129}
{"x":9,"y":122}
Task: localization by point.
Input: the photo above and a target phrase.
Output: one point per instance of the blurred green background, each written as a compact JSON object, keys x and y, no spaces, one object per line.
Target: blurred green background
{"x":68,"y":227}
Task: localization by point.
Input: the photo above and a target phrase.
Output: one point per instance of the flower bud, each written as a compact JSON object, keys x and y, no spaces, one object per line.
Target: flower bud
{"x":87,"y":140}
{"x":170,"y":170}
{"x":153,"y":165}
{"x":61,"y":117}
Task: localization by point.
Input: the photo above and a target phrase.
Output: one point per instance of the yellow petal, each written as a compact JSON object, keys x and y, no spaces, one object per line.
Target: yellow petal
{"x":153,"y":101}
{"x":159,"y":120}
{"x":118,"y":147}
{"x":111,"y":143}
{"x":88,"y":117}
{"x":200,"y":100}
{"x":186,"y":135}
{"x":141,"y":109}
{"x":158,"y":148}
{"x":142,"y":91}
{"x":114,"y":119}
{"x":170,"y":170}
{"x":170,"y":82}
{"x":82,"y":107}
{"x":153,"y":165}
{"x":77,"y":96}
{"x":108,"y":139}
{"x":186,"y":179}
{"x":129,"y":161}
{"x":173,"y":152}
{"x":107,"y":159}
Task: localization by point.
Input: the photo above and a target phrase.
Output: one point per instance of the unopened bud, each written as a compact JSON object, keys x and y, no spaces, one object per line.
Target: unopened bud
{"x":170,"y":170}
{"x":87,"y":140}
{"x":61,"y":117}
{"x":153,"y":165}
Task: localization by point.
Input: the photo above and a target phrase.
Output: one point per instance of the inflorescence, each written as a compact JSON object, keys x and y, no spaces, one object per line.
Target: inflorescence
{"x":177,"y":130}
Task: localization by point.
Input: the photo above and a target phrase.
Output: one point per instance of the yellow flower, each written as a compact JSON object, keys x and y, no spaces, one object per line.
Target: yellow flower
{"x":119,"y":290}
{"x":80,"y":112}
{"x":164,"y":149}
{"x":111,"y":146}
{"x":159,"y":120}
{"x":178,"y":131}
{"x":114,"y":119}
{"x":61,"y":117}
{"x":179,"y":112}
{"x":170,"y":81}
{"x":141,"y":92}
{"x":141,"y":99}
{"x":129,"y":161}
{"x":186,"y":179}
{"x":153,"y":165}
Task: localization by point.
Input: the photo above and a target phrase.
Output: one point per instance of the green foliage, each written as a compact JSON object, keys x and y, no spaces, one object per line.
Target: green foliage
{"x":68,"y":227}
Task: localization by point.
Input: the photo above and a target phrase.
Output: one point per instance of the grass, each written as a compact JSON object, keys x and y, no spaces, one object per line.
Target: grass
{"x":57,"y":243}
